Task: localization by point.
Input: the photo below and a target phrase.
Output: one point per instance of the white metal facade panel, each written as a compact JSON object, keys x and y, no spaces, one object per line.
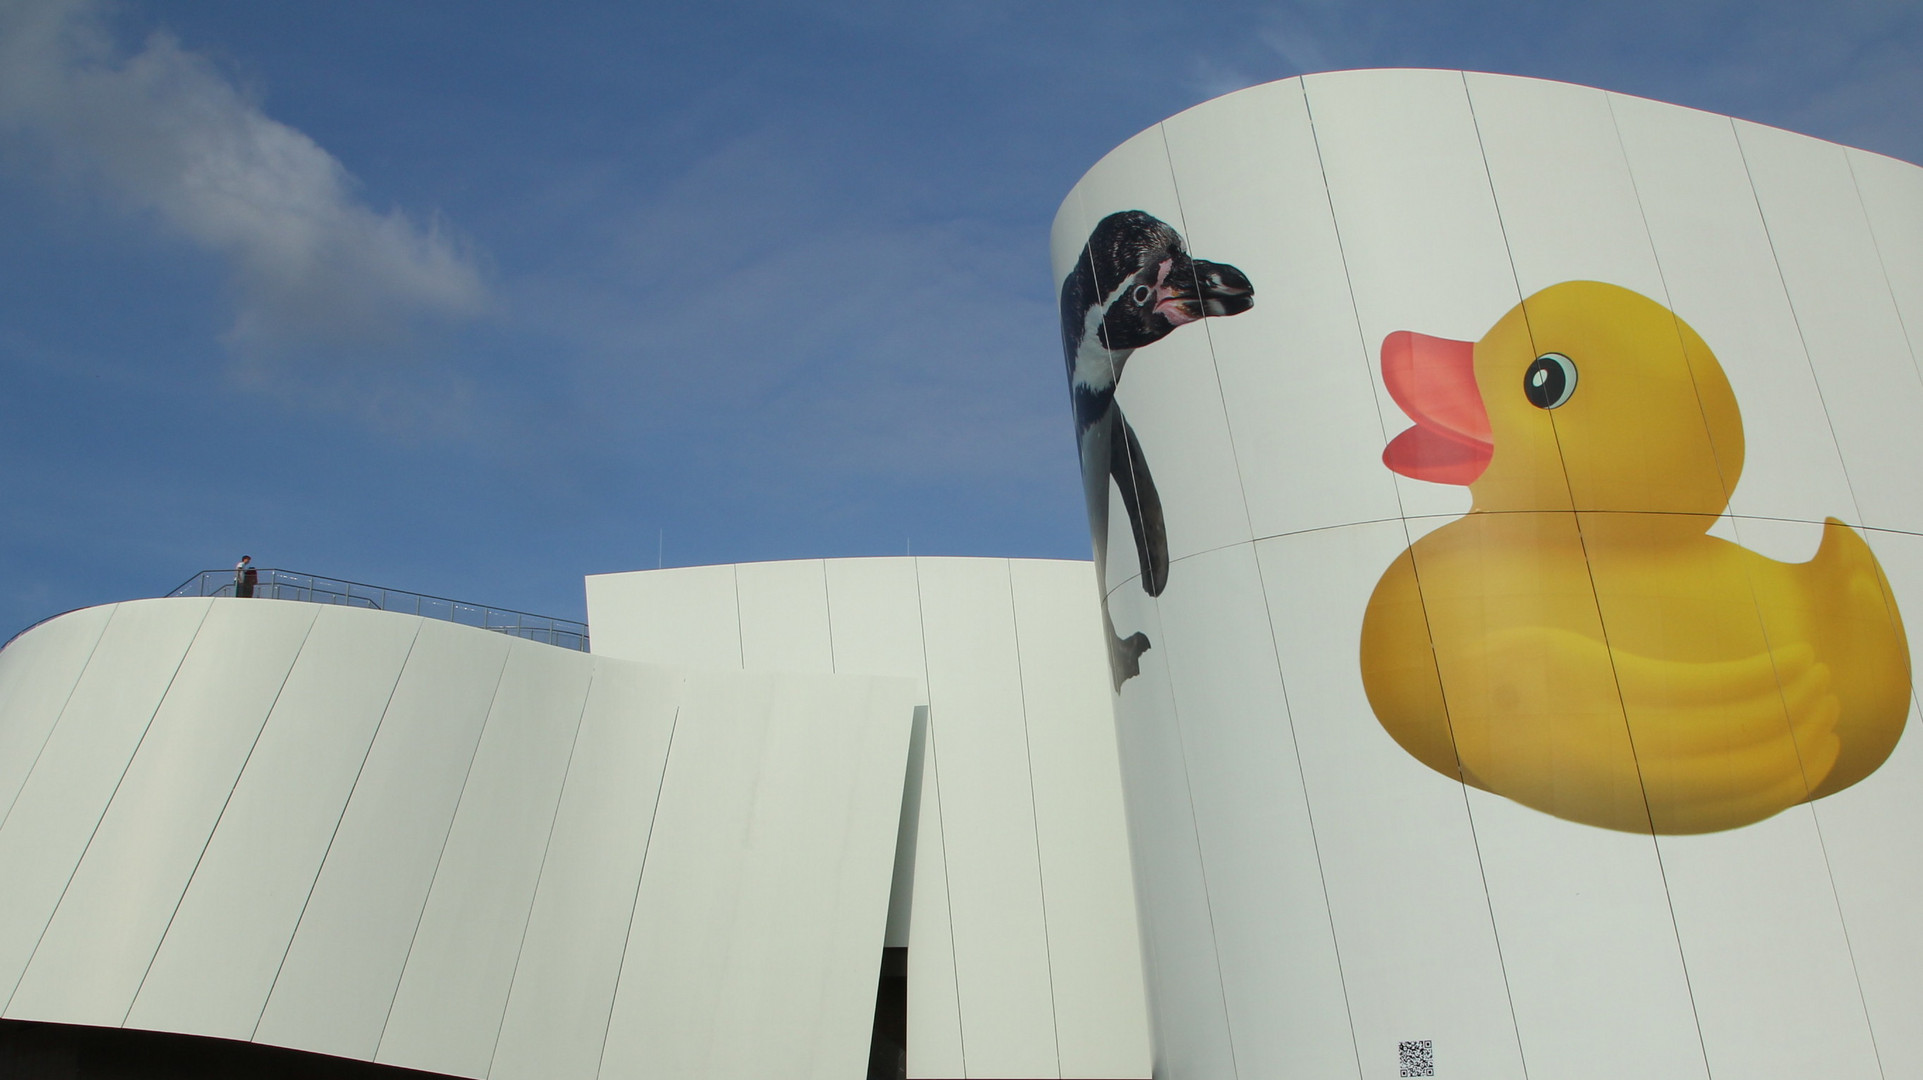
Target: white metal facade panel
{"x":1506,"y":936}
{"x":557,"y":1012}
{"x":875,"y":620}
{"x":454,"y":989}
{"x":97,"y":948}
{"x":1281,"y":978}
{"x":743,"y":959}
{"x":1252,"y":195}
{"x":335,"y":986}
{"x":1721,"y":276}
{"x":686,"y":615}
{"x":1188,"y":1019}
{"x":1398,"y":943}
{"x":1848,"y":319}
{"x":979,"y":730}
{"x":101,"y":726}
{"x":875,"y":617}
{"x":37,"y":672}
{"x":1421,"y":242}
{"x":1877,"y":882}
{"x":230,"y":932}
{"x":784,"y":617}
{"x":1087,"y":890}
{"x":1892,"y":193}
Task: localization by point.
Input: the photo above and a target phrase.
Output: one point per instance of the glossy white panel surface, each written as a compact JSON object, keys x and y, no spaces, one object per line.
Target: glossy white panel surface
{"x":1722,"y":279}
{"x":447,"y":1011}
{"x":334,"y":988}
{"x":1562,"y":187}
{"x":1584,"y":916}
{"x":1187,"y":1015}
{"x":1769,"y":963}
{"x":84,"y":757}
{"x":978,"y":729}
{"x":1878,"y":876}
{"x":686,"y":615}
{"x":1382,"y":821}
{"x":1168,"y":390}
{"x":875,"y":615}
{"x":557,"y":1012}
{"x":1419,"y":231}
{"x":217,"y":962}
{"x":1087,"y":890}
{"x":37,"y":672}
{"x":744,"y":959}
{"x":1280,"y":972}
{"x":1251,"y":187}
{"x":784,"y":617}
{"x":96,"y":950}
{"x":1848,"y":320}
{"x":874,"y":612}
{"x":1892,"y":193}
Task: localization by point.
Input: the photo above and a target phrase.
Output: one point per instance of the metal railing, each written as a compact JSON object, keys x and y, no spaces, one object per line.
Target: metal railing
{"x":287,"y":585}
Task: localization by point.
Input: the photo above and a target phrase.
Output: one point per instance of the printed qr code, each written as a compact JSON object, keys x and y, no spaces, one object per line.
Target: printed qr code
{"x":1418,"y":1057}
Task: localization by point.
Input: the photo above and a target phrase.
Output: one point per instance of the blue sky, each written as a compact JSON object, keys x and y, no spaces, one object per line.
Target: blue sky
{"x":475,"y":299}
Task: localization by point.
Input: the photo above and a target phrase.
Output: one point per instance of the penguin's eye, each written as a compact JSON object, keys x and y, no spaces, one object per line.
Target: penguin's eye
{"x":1549,"y":381}
{"x":1142,"y":294}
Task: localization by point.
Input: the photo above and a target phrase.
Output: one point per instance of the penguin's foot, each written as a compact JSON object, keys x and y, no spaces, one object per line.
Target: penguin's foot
{"x":1125,"y":656}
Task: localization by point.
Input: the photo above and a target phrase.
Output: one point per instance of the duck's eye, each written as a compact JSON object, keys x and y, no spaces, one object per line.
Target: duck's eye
{"x":1549,"y":381}
{"x":1142,"y":294}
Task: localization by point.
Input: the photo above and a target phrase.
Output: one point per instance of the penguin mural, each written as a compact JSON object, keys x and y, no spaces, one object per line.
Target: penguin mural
{"x":1134,"y":284}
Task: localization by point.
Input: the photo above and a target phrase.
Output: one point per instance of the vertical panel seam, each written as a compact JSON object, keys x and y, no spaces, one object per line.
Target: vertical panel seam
{"x":1869,"y":227}
{"x":827,"y":613}
{"x":647,"y":847}
{"x":1401,"y":519}
{"x":408,"y":958}
{"x":1762,"y":623}
{"x":931,"y":764}
{"x":108,"y":805}
{"x":1816,"y":818}
{"x":1175,"y":710}
{"x":218,"y":818}
{"x":540,"y":871}
{"x":1515,"y":276}
{"x":60,"y":715}
{"x":1034,"y":813}
{"x":345,"y":803}
{"x":740,"y":638}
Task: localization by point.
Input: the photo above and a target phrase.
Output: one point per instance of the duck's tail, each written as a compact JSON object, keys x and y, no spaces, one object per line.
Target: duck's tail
{"x":1854,"y":625}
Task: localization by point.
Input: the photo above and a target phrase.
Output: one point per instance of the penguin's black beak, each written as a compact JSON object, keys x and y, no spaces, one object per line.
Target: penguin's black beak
{"x":1225,"y":290}
{"x":1208,"y":290}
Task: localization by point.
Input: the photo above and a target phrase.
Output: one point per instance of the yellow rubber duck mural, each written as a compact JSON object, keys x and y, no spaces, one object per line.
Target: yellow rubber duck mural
{"x":1577,"y":642}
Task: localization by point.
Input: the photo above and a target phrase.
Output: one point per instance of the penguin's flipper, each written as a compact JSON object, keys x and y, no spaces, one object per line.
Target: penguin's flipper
{"x":1124,"y":653}
{"x":1144,"y":506}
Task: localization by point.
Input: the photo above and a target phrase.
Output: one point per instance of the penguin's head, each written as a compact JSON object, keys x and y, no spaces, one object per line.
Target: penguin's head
{"x":1137,"y":272}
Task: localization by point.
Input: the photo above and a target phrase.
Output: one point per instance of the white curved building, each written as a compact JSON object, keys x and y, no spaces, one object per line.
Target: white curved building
{"x":1506,"y":498}
{"x":1487,"y":707}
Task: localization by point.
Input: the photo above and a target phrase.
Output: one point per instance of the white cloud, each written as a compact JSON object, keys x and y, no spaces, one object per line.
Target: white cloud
{"x":162,"y":132}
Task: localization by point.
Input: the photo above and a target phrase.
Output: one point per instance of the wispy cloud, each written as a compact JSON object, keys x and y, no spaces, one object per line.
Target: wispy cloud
{"x":161,"y":131}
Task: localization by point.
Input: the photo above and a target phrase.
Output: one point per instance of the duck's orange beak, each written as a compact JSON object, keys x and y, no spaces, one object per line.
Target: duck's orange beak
{"x":1434,"y":380}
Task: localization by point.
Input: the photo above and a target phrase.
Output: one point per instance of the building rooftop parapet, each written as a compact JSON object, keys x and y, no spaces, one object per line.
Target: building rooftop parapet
{"x":276,"y":584}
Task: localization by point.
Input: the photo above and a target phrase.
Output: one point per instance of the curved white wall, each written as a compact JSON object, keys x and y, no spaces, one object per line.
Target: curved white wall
{"x":1020,"y":923}
{"x":401,"y":840}
{"x":1312,"y":895}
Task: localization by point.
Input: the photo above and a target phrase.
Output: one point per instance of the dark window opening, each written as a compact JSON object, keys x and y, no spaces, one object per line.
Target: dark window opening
{"x":34,"y":1051}
{"x":888,"y":1049}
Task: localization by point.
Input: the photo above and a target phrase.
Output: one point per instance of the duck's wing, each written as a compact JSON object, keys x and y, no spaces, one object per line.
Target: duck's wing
{"x":1712,"y":745}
